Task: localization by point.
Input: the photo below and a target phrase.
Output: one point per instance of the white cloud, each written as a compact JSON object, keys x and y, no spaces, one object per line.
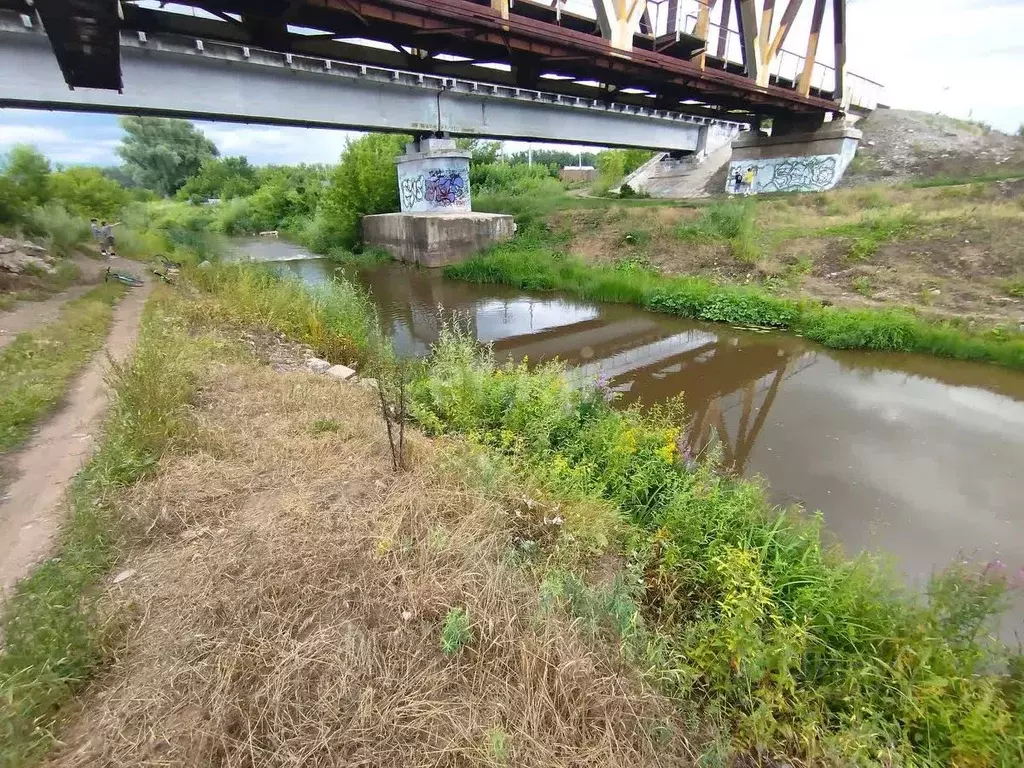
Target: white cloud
{"x":277,"y":145}
{"x":960,"y":58}
{"x":30,"y":134}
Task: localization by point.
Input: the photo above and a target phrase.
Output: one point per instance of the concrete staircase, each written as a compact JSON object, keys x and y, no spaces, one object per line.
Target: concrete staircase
{"x":664,"y":177}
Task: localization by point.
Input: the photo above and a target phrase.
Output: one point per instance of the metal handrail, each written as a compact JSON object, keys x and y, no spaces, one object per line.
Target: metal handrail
{"x":859,"y":91}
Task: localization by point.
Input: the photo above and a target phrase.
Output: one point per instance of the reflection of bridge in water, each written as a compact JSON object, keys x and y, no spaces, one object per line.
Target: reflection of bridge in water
{"x":717,"y":374}
{"x":729,"y":379}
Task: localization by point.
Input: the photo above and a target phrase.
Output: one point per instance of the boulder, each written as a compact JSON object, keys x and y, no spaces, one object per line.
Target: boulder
{"x":316,"y":365}
{"x":17,"y":257}
{"x":341,"y":372}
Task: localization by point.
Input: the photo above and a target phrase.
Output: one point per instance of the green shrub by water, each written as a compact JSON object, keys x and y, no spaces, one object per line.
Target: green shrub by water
{"x":735,"y":606}
{"x":533,"y":262}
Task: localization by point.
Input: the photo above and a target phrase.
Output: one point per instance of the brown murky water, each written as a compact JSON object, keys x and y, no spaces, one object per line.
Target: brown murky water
{"x":915,"y":457}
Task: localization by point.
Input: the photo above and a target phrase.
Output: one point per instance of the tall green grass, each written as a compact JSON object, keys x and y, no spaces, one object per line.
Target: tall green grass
{"x":731,"y":222}
{"x":531,"y":262}
{"x":36,"y":367}
{"x":335,"y":319}
{"x":736,"y":607}
{"x":53,"y":641}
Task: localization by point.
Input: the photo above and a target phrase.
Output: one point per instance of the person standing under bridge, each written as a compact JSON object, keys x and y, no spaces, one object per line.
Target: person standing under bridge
{"x":748,"y":181}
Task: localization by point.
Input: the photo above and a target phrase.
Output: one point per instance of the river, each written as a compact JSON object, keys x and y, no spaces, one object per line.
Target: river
{"x":911,"y":456}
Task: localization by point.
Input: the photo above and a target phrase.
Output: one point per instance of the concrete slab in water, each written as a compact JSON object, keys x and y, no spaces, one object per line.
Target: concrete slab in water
{"x":436,"y":239}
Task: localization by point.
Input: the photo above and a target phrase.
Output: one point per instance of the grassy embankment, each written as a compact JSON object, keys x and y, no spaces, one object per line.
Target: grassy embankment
{"x":36,"y":367}
{"x":760,"y":263}
{"x":763,"y":642}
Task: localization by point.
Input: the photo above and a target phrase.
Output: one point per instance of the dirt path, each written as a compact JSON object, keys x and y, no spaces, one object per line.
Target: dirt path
{"x":30,"y":511}
{"x":29,"y":315}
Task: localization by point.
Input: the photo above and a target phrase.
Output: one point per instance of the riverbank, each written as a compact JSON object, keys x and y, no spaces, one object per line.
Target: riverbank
{"x":220,"y":498}
{"x":540,"y":260}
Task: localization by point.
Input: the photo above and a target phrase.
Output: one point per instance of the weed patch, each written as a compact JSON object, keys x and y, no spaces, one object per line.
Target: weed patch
{"x":730,"y":222}
{"x":335,"y":319}
{"x":873,"y":231}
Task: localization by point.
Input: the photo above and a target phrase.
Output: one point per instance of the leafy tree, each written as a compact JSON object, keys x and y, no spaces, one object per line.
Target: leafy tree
{"x":161,"y":153}
{"x":557,"y":157}
{"x":28,"y":170}
{"x":614,"y":164}
{"x":88,"y":192}
{"x":11,"y":207}
{"x":483,"y":151}
{"x":1020,"y":131}
{"x":364,"y":182}
{"x":223,"y":178}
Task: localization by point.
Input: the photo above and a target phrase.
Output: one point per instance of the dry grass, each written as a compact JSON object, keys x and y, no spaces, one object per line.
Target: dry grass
{"x":287,"y":601}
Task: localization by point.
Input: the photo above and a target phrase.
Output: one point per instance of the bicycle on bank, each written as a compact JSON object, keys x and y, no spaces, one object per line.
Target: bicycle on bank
{"x":122,"y":277}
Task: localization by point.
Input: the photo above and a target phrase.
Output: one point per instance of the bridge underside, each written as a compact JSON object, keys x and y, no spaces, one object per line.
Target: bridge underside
{"x":229,"y":82}
{"x":606,"y":58}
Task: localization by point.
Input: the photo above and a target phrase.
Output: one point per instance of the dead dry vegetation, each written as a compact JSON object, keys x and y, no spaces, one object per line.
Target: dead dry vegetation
{"x":952,"y":251}
{"x":286,"y":593}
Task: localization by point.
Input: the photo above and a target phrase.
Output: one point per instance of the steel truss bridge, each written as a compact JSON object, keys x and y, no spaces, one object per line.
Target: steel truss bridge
{"x":723,"y":60}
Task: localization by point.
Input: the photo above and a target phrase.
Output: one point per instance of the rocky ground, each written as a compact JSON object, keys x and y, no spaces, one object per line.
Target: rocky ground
{"x":901,"y":145}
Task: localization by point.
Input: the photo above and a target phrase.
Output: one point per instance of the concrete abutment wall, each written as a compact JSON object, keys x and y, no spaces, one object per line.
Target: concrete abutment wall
{"x":807,"y":161}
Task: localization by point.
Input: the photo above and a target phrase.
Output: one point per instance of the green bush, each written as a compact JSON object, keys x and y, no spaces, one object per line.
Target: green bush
{"x":28,"y":170}
{"x":735,"y":606}
{"x":12,"y":207}
{"x":62,"y":230}
{"x":222,"y":178}
{"x":615,"y":164}
{"x":523,"y":191}
{"x":86,"y":192}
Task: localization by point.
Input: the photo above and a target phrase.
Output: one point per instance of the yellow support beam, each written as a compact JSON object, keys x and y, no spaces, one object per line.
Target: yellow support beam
{"x":784,"y":26}
{"x":767,"y":19}
{"x":804,"y":84}
{"x":618,"y":20}
{"x":700,"y":29}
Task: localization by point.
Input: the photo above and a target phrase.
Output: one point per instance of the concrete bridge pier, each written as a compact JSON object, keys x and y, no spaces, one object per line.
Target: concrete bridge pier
{"x":799,"y":156}
{"x":436,"y":225}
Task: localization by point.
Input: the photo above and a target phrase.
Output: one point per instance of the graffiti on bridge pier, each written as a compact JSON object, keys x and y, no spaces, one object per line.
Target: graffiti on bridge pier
{"x":440,"y":188}
{"x":447,"y":188}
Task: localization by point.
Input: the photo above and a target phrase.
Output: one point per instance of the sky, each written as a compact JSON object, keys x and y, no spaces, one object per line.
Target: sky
{"x":963,"y":58}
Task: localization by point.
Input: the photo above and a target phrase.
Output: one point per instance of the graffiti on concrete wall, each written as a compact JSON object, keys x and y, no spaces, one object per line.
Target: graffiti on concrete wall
{"x":413,"y":190}
{"x":447,"y":187}
{"x":798,"y":174}
{"x":434,"y":189}
{"x":808,"y":173}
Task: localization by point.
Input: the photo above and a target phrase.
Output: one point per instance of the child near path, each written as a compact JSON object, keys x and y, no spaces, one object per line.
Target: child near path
{"x":107,"y":239}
